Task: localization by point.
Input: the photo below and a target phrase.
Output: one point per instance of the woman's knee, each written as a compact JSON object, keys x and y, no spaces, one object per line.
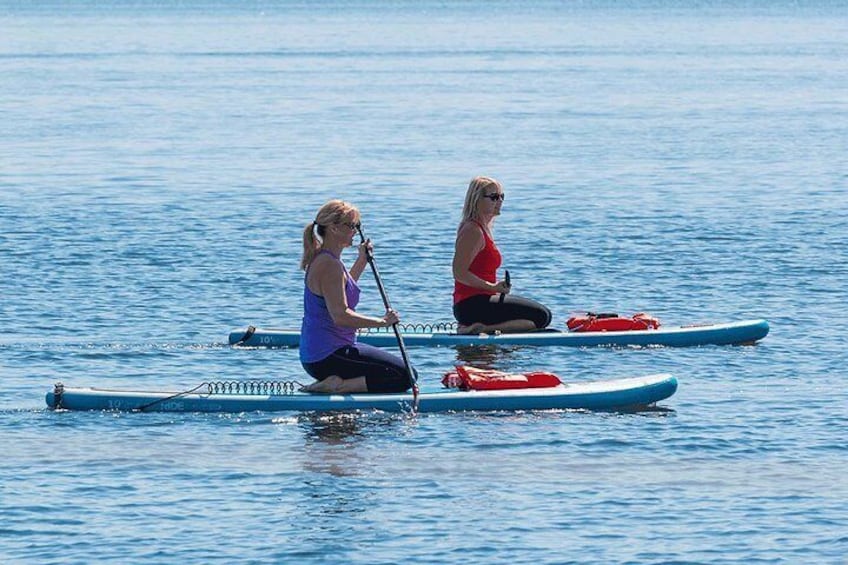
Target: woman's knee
{"x":393,"y":380}
{"x":542,"y":317}
{"x":529,"y":309}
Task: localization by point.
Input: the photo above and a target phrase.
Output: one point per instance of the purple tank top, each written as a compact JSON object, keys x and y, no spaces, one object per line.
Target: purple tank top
{"x":319,"y":335}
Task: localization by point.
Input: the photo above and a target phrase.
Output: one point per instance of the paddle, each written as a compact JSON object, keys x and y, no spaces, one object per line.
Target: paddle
{"x":412,"y":380}
{"x":506,"y":280}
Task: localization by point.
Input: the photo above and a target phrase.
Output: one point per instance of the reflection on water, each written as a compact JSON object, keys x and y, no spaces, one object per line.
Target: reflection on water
{"x":331,"y":429}
{"x":485,"y":356}
{"x":334,"y":442}
{"x":338,"y":461}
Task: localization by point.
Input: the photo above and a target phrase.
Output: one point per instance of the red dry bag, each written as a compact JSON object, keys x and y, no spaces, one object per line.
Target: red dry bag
{"x":472,"y":378}
{"x":591,"y":322}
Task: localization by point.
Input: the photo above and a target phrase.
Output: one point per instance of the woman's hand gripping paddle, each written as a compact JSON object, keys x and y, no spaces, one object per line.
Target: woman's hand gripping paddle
{"x":412,"y":380}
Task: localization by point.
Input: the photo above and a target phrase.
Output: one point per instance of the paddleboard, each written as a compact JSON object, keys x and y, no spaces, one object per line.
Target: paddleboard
{"x":628,"y":393}
{"x":733,"y":333}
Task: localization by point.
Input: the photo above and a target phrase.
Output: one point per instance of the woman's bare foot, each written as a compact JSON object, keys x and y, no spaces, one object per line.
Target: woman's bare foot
{"x":334,"y":384}
{"x":327,"y":386}
{"x":511,"y":326}
{"x":474,"y":328}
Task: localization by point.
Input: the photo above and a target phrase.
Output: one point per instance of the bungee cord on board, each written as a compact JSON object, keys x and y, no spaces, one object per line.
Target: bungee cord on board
{"x":246,"y":388}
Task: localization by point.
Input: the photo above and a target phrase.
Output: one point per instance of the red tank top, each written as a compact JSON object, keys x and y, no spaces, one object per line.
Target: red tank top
{"x":485,"y":265}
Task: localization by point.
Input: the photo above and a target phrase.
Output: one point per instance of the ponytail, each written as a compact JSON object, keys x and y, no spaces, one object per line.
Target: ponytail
{"x":311,"y":243}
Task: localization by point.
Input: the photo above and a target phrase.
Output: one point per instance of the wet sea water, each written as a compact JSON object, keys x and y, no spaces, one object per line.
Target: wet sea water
{"x":158,"y":162}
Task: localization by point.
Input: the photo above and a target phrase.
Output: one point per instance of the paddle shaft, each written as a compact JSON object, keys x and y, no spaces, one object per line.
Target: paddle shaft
{"x":370,"y":257}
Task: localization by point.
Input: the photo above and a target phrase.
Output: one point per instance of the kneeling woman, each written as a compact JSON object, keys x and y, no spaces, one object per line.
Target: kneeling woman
{"x":328,"y":348}
{"x":481,"y":303}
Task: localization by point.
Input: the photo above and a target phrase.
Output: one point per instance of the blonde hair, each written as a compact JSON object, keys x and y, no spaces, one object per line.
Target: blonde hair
{"x":333,"y":212}
{"x":476,"y":188}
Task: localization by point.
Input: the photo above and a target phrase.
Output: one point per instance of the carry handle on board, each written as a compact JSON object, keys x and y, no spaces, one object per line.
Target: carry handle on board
{"x":412,"y":380}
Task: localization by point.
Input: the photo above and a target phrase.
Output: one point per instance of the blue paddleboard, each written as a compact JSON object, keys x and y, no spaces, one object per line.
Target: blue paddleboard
{"x":733,"y":333}
{"x":616,"y":394}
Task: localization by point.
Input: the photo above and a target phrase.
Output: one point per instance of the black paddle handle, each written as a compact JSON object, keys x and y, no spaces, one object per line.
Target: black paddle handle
{"x":506,"y":279}
{"x":370,"y":257}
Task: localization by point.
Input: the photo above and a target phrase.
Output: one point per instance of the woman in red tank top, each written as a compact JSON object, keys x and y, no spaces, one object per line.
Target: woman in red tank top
{"x":481,"y":303}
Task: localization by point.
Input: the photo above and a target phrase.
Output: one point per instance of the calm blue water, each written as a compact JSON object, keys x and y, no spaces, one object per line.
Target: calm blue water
{"x":158,"y":161}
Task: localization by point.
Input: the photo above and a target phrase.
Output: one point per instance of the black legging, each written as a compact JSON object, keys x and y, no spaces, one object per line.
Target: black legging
{"x":489,"y":310}
{"x":383,"y":371}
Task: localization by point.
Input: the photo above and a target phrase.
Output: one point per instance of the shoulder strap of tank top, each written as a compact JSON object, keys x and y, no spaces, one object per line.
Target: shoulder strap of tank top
{"x":486,"y":235}
{"x":321,"y":252}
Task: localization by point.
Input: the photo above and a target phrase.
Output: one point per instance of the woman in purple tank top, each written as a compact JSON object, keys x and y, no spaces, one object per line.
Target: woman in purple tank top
{"x":328,"y":348}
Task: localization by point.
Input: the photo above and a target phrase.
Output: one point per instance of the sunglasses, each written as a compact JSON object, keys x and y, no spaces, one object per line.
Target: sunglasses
{"x":350,"y":225}
{"x":495,"y":196}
